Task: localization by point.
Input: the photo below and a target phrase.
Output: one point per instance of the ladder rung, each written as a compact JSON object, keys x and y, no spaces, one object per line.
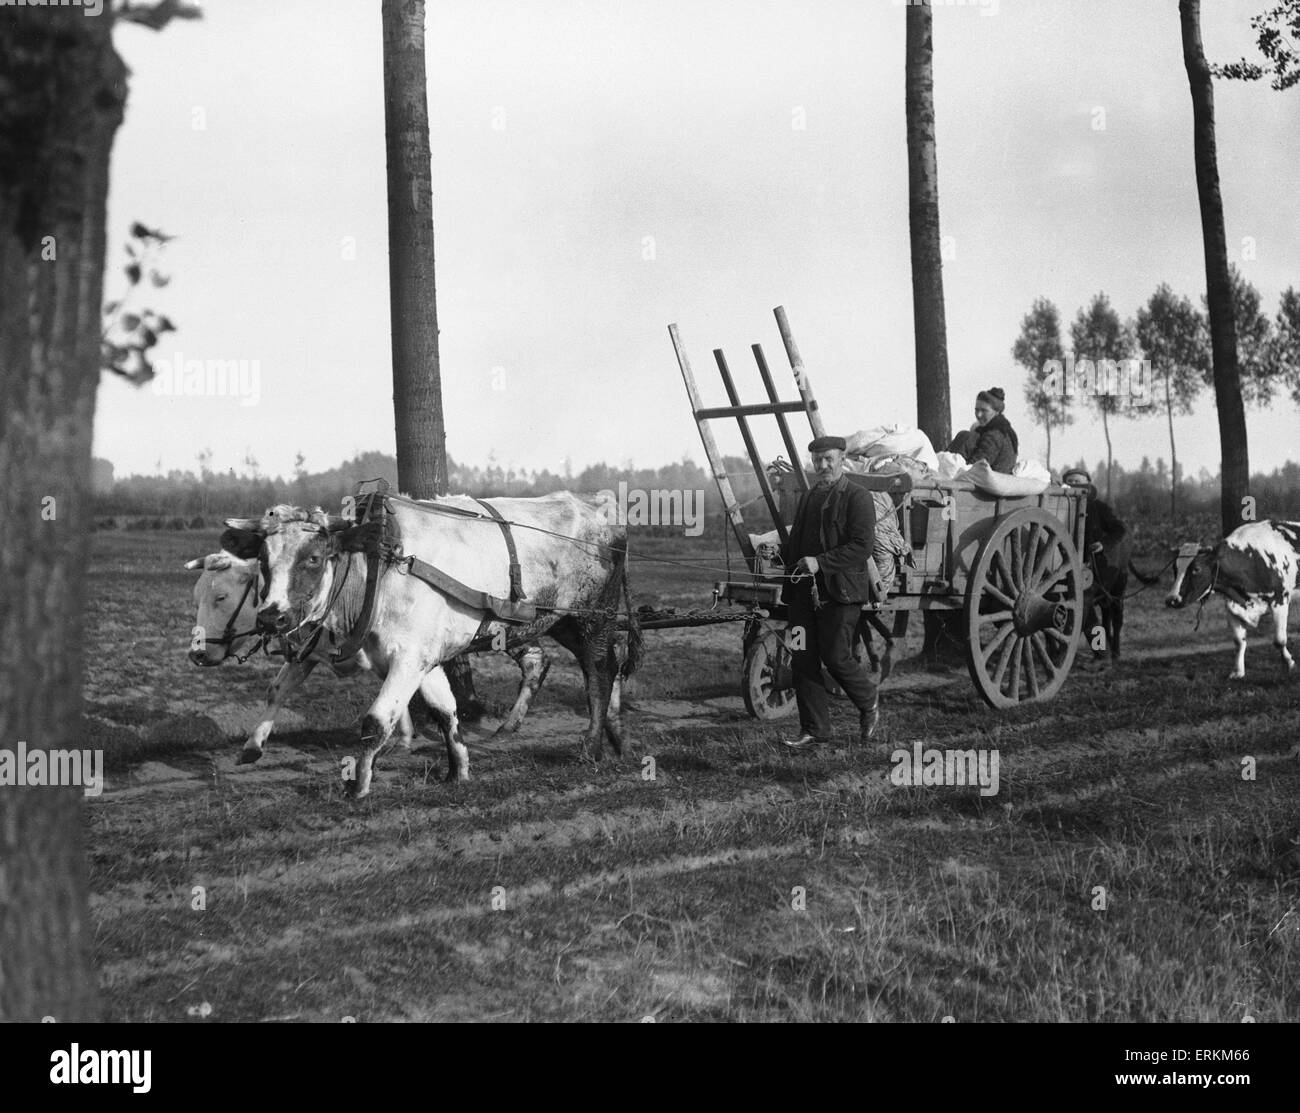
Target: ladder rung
{"x":750,"y":411}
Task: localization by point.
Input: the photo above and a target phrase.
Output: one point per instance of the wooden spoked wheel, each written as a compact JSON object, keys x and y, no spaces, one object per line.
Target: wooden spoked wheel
{"x":767,"y":682}
{"x":1024,"y":609}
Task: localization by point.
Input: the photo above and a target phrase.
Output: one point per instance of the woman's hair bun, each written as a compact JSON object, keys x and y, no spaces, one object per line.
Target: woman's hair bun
{"x":998,"y":392}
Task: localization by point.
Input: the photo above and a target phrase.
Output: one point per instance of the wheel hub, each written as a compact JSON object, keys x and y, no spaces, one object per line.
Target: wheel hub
{"x":1033,"y":613}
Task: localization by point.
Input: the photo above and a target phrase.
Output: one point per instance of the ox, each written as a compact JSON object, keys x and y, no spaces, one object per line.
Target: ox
{"x":570,"y":559}
{"x":1112,"y":564}
{"x":1108,"y":549}
{"x":226,"y":598}
{"x":1254,"y":569}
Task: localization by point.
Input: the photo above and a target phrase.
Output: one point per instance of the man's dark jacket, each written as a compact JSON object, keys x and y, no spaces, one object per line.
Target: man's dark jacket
{"x":1102,"y":523}
{"x":848,"y":529}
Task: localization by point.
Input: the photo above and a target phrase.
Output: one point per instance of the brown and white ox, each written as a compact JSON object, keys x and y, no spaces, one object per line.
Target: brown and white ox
{"x":574,"y":570}
{"x":1254,"y":569}
{"x":227,"y":597}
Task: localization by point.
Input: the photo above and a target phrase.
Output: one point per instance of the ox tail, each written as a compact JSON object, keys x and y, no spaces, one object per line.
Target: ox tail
{"x":635,"y":641}
{"x":1148,"y":580}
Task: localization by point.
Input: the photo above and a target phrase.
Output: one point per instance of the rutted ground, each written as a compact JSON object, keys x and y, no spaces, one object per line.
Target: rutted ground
{"x":741,"y":882}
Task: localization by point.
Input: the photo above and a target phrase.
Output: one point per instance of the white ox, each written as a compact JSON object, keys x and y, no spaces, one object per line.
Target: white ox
{"x":1254,"y":568}
{"x":226,"y":598}
{"x":573,"y":565}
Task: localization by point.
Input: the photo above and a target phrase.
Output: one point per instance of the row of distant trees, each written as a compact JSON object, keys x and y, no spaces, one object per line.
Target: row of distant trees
{"x":1171,"y":334}
{"x":217,"y":494}
{"x":1136,"y":493}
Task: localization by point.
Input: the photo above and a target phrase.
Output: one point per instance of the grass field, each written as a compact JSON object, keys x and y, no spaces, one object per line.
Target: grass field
{"x":742,"y":882}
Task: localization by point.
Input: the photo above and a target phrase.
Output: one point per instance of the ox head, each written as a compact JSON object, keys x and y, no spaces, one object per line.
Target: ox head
{"x":225,"y":598}
{"x":1193,"y":575}
{"x":298,"y":547}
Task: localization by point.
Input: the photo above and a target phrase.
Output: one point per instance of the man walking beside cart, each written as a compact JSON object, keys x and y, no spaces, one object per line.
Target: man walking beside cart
{"x":827,"y":583}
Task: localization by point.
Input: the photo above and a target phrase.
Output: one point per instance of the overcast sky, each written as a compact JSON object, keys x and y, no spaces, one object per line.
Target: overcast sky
{"x":603,"y":169}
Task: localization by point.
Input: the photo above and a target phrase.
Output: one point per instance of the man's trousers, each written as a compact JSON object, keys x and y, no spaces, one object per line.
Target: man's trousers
{"x":828,"y":639}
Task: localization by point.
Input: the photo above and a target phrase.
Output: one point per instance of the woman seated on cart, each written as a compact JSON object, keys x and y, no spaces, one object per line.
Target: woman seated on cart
{"x":991,"y":438}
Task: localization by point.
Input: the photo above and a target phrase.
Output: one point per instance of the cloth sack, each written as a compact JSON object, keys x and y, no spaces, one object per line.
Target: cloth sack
{"x":892,"y":440}
{"x":1007,"y":486}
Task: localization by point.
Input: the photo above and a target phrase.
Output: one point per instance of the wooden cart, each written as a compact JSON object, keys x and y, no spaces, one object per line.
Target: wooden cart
{"x":1009,"y":566}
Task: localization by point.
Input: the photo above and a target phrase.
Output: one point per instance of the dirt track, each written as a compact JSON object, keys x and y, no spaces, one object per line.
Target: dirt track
{"x":742,"y":881}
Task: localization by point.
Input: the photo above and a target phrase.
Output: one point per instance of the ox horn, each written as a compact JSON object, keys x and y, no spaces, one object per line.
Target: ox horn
{"x":213,"y":562}
{"x":253,"y":525}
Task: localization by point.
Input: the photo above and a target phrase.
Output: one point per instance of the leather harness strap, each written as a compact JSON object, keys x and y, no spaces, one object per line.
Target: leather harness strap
{"x":507,"y":610}
{"x":370,"y":537}
{"x":516,"y":574}
{"x":374,"y":534}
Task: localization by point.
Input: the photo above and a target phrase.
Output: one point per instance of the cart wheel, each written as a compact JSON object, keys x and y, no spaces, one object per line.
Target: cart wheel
{"x":1024,"y":609}
{"x":768,"y":680}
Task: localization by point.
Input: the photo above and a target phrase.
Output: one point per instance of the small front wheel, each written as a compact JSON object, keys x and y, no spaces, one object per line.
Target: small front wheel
{"x":767,"y":682}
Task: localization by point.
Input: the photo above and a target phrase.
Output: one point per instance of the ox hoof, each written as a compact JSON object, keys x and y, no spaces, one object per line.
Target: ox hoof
{"x":353,"y":790}
{"x":247,"y":757}
{"x":453,"y":776}
{"x":1236,"y":676}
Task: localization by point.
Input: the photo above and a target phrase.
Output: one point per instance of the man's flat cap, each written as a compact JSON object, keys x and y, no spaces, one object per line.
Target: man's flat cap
{"x":825,"y":444}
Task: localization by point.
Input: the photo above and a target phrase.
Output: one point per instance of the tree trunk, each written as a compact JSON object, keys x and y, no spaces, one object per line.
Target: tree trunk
{"x":933,"y":402}
{"x":417,"y":383}
{"x":64,"y":91}
{"x":1105,"y":425}
{"x":413,"y":291}
{"x":1223,"y":327}
{"x":1048,"y":425}
{"x":1173,"y":457}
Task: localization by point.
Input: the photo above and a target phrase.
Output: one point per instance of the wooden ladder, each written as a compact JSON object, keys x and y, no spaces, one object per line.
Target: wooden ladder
{"x":742,"y":412}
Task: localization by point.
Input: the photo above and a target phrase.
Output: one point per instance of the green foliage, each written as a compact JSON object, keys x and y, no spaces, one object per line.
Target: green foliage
{"x":1256,"y":350}
{"x":127,"y":336}
{"x":1097,"y":334}
{"x":1277,"y":34}
{"x":155,"y":15}
{"x":1173,"y":335}
{"x":1040,"y":341}
{"x":1141,"y":495}
{"x":1286,"y":342}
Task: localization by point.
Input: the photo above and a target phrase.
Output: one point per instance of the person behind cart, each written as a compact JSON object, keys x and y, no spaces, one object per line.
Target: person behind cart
{"x":1102,"y":527}
{"x":827,"y":582}
{"x":991,"y":438}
